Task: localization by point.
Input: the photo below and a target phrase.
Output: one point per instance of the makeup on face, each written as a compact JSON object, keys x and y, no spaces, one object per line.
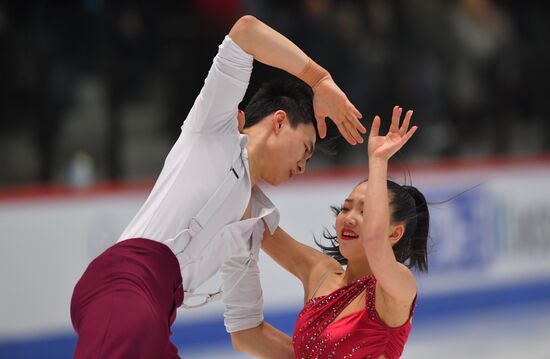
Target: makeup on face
{"x":348,"y":235}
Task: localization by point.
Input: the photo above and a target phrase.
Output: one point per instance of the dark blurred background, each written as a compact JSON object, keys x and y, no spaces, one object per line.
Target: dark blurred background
{"x":96,"y":90}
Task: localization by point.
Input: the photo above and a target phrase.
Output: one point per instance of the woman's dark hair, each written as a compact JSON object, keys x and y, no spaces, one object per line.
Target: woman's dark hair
{"x":290,"y":95}
{"x":408,"y":206}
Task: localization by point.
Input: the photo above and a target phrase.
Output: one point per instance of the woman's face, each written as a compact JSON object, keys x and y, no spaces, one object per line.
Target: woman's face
{"x":349,"y":223}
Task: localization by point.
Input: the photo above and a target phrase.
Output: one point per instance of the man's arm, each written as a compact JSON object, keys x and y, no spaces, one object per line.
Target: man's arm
{"x":271,"y":48}
{"x":263,"y":341}
{"x":243,"y":315}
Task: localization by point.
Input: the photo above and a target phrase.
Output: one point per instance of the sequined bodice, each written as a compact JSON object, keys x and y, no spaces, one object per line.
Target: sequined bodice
{"x":361,"y":334}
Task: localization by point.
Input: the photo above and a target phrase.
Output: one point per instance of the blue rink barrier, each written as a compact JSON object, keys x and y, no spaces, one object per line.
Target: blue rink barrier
{"x":211,"y":333}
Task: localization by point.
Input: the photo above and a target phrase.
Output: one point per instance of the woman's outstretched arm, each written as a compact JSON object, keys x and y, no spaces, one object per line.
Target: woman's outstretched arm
{"x":395,"y":279}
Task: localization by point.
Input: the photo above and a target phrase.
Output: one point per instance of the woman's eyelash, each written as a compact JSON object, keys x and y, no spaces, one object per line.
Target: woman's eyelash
{"x":344,"y":209}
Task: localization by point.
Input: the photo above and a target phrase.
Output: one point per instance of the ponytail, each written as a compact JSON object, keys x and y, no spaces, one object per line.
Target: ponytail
{"x":419,"y":238}
{"x":408,"y":206}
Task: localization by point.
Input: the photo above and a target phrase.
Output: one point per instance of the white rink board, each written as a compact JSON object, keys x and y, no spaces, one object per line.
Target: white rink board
{"x":497,"y":233}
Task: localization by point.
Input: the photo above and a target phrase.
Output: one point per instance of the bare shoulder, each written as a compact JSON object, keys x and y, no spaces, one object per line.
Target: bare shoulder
{"x":395,"y":310}
{"x":324,"y":266}
{"x":403,"y":297}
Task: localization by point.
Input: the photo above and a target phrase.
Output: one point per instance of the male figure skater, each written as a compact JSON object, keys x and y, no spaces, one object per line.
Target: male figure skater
{"x":204,"y":213}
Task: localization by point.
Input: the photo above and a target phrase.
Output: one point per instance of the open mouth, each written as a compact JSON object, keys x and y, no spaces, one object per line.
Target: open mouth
{"x":348,"y":235}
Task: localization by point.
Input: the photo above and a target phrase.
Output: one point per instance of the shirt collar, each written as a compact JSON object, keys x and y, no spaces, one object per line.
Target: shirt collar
{"x":262,"y":207}
{"x":243,"y":141}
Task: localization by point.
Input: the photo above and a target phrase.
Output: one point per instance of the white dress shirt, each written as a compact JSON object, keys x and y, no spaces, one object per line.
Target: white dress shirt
{"x":203,"y":156}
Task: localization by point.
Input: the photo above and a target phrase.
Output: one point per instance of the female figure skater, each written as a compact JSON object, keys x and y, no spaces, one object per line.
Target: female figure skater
{"x":364,"y":310}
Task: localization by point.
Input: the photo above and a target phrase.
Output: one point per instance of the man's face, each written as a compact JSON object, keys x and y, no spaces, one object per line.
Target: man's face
{"x":288,"y":151}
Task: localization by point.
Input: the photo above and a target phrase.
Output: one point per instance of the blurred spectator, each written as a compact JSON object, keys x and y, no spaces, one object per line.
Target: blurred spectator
{"x":484,"y":69}
{"x":130,"y":56}
{"x":474,"y":71}
{"x":33,"y":90}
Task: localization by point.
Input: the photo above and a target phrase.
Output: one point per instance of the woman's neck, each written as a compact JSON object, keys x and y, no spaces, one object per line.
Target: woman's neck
{"x":355,"y":271}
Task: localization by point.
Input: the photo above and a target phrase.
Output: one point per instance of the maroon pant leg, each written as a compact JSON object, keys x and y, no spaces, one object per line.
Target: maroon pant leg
{"x":125,"y":302}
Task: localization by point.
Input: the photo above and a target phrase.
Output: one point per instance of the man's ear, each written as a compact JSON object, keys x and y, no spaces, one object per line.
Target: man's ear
{"x":279,"y":120}
{"x":396,"y":233}
{"x":241,"y":119}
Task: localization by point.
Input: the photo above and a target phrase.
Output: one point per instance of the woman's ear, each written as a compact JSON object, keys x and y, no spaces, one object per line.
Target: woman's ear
{"x":396,"y":232}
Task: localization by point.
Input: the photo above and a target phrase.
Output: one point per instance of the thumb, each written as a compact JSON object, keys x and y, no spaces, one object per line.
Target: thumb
{"x":321,"y":126}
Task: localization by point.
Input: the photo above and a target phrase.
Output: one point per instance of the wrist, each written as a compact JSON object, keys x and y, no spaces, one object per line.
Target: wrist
{"x":378,"y":162}
{"x":313,"y":74}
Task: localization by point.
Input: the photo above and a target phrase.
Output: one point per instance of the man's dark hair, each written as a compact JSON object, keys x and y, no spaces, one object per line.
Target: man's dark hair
{"x":290,"y":95}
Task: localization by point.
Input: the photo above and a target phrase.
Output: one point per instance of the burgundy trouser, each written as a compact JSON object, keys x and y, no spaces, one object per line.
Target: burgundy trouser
{"x":125,"y":302}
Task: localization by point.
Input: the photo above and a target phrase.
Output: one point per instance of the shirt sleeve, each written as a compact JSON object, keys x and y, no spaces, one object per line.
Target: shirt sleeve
{"x":242,"y":294}
{"x":215,"y":108}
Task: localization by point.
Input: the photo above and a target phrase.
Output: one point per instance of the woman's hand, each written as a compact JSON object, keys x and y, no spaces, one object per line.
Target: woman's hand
{"x":383,"y":147}
{"x":330,"y":101}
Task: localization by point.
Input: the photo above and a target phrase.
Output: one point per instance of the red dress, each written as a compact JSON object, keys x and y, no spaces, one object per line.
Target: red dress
{"x":361,"y":334}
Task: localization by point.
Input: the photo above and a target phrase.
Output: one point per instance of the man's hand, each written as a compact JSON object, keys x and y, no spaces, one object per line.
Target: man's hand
{"x":330,"y":101}
{"x":273,"y":49}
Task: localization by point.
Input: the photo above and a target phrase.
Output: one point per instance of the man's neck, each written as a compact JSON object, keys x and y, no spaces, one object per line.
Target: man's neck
{"x":255,"y":148}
